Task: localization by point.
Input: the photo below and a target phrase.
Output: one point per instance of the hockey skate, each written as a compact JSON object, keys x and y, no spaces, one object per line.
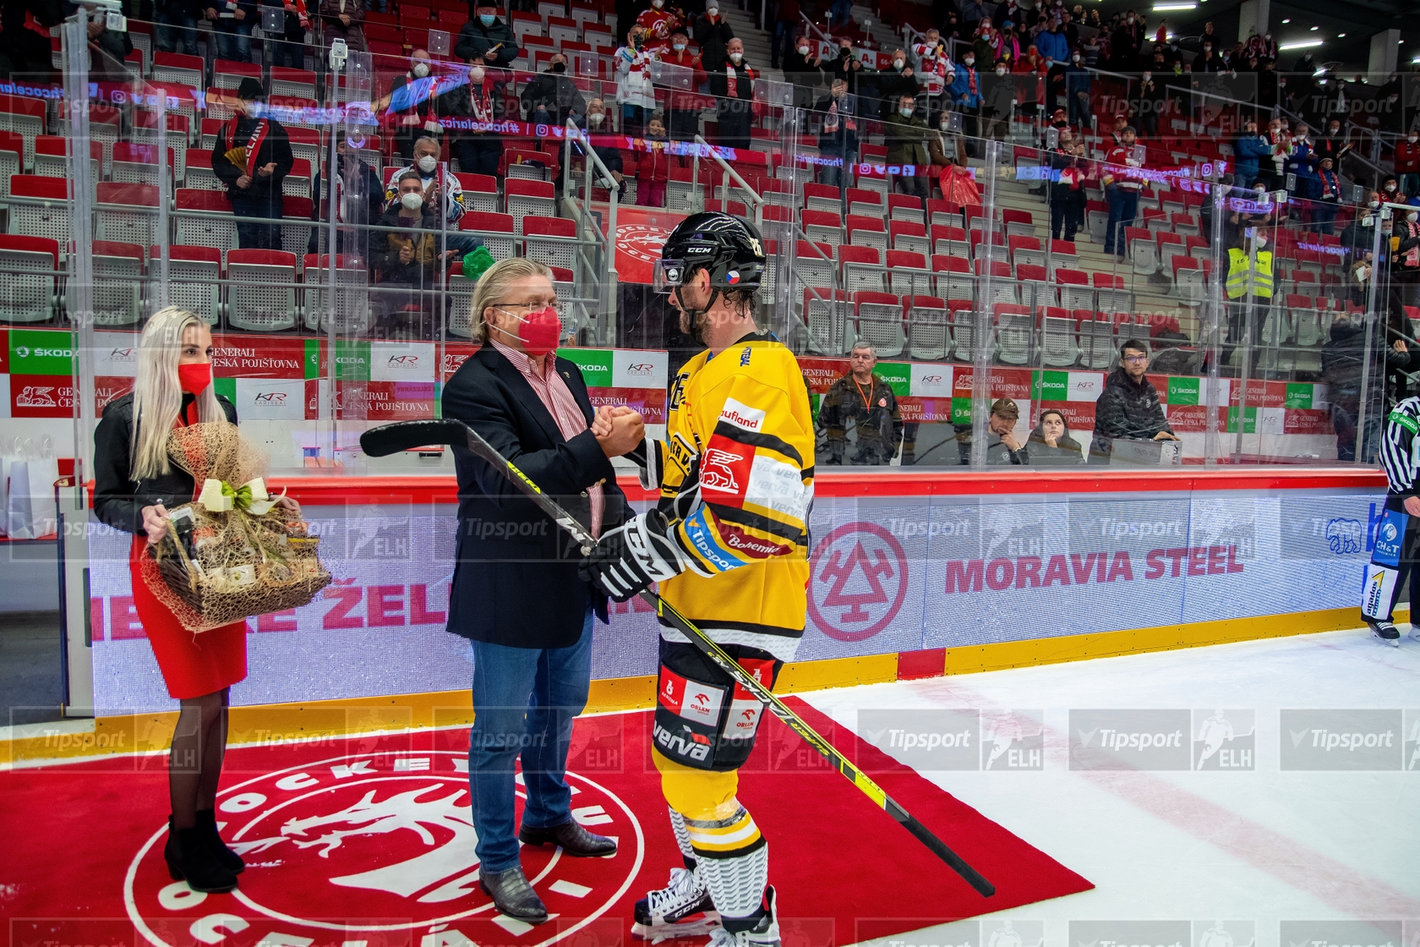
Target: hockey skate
{"x":764,"y":934}
{"x":681,"y":909}
{"x":1386,"y":632}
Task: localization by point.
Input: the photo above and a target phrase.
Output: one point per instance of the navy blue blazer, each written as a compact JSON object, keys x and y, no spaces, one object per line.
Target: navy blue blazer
{"x":515,"y":576}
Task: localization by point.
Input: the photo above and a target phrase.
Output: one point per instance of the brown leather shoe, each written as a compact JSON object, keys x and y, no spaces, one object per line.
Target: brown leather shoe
{"x":512,"y":895}
{"x":573,"y":839}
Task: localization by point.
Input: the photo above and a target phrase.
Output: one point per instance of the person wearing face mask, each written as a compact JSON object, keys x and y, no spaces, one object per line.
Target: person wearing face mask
{"x":1390,"y":190}
{"x":358,"y":197}
{"x":1405,"y":261}
{"x":1407,"y":162}
{"x":1329,"y":196}
{"x":1000,"y":90}
{"x":1053,"y":45}
{"x":732,"y":84}
{"x":342,"y":19}
{"x":1249,"y":150}
{"x":906,"y":137}
{"x":1030,"y":83}
{"x":837,"y":119}
{"x":604,"y":145}
{"x":1066,"y":187}
{"x":1147,"y":102}
{"x":804,"y":68}
{"x":684,"y":105}
{"x":471,"y":111}
{"x":252,"y":156}
{"x":1077,"y":90}
{"x":966,"y":95}
{"x":435,"y":182}
{"x":634,"y":91}
{"x":486,"y":39}
{"x":408,"y":257}
{"x":847,"y":67}
{"x":139,"y":475}
{"x":531,"y":650}
{"x":652,"y":165}
{"x":712,"y":35}
{"x":1122,"y":186}
{"x":550,"y":97}
{"x":658,"y":22}
{"x":986,"y":43}
{"x":412,"y":105}
{"x":1249,"y":286}
{"x":896,"y":82}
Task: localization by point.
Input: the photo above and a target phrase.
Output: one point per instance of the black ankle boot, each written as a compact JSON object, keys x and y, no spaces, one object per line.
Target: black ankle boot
{"x":190,"y":859}
{"x":207,"y":826}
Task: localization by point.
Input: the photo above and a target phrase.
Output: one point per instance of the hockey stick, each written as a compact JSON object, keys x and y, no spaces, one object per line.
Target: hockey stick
{"x":405,"y":435}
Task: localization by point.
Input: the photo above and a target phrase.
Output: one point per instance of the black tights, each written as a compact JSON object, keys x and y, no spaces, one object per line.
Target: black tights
{"x":195,"y":761}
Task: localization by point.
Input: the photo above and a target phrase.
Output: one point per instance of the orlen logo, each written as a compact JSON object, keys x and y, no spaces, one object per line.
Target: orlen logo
{"x":643,"y":369}
{"x":271,"y":397}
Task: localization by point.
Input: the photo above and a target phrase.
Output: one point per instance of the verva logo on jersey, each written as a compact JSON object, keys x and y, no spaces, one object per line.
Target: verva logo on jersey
{"x":392,"y":830}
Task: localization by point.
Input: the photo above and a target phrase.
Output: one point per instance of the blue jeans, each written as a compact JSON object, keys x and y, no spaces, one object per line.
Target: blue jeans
{"x":524,"y":700}
{"x":1123,"y":208}
{"x":235,"y":43}
{"x":173,"y":27}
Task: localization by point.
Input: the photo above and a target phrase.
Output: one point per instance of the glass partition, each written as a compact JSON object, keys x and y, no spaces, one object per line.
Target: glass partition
{"x":983,"y":248}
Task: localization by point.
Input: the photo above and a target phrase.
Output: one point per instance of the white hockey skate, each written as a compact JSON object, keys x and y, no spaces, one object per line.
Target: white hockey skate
{"x":681,"y":909}
{"x":764,"y":934}
{"x":1386,"y":632}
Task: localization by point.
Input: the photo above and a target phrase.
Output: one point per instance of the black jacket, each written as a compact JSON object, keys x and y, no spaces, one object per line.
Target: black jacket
{"x":475,"y":40}
{"x":276,"y":147}
{"x":515,"y":576}
{"x":1126,"y":409}
{"x":119,"y":500}
{"x":555,"y":91}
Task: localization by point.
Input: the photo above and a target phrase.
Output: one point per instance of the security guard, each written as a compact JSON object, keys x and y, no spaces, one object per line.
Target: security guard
{"x":1249,"y":275}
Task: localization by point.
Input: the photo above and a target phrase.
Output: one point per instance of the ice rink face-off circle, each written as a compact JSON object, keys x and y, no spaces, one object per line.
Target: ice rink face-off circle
{"x":377,"y":849}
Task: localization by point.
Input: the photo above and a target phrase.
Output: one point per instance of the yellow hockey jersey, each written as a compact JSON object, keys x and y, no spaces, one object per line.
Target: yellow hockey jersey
{"x":744,"y":416}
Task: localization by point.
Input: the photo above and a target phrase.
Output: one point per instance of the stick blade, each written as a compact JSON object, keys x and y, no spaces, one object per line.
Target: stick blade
{"x":406,"y":435}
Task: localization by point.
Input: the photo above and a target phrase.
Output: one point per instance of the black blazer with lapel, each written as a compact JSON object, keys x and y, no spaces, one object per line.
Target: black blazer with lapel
{"x":515,"y":576}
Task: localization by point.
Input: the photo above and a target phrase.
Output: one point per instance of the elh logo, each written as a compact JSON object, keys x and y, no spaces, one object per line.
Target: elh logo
{"x":1224,"y":740}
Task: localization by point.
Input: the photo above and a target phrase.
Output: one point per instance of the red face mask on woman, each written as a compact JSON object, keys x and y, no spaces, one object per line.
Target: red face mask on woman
{"x":194,"y":377}
{"x":539,"y":331}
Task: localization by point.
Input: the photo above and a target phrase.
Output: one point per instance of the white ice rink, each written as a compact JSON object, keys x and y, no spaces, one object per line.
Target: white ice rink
{"x":1273,"y":847}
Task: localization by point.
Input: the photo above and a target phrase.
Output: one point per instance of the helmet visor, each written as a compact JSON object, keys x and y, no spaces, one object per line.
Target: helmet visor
{"x":667,"y":275}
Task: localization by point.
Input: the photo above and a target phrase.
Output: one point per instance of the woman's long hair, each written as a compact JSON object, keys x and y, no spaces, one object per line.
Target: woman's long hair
{"x":157,"y":398}
{"x":1065,"y":440}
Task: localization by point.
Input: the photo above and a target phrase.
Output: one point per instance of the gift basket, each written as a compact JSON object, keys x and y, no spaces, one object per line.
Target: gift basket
{"x":233,"y":552}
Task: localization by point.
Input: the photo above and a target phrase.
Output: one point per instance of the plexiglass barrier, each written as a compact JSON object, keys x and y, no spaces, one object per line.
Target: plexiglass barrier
{"x":966,"y":281}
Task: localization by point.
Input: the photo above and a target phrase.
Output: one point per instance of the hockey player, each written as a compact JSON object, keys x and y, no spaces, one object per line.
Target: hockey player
{"x":728,"y":543}
{"x":1394,"y":556}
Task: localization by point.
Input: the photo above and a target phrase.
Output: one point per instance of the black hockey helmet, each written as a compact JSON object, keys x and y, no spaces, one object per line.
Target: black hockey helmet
{"x":728,"y":246}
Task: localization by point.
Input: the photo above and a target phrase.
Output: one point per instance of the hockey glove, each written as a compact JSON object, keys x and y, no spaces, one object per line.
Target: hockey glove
{"x":632,"y":556}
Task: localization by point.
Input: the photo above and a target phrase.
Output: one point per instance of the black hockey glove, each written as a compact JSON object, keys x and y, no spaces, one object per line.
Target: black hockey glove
{"x":632,"y":556}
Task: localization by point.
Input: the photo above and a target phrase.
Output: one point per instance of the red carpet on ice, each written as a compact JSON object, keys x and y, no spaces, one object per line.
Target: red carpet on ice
{"x":367,"y":840}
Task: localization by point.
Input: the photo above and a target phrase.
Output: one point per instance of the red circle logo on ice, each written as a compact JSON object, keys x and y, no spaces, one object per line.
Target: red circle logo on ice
{"x":640,"y":242}
{"x":859,"y":581}
{"x":376,"y":849}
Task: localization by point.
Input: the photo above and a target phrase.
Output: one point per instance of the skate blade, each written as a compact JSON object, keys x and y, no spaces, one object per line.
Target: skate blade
{"x":700,"y":927}
{"x":1393,"y":642}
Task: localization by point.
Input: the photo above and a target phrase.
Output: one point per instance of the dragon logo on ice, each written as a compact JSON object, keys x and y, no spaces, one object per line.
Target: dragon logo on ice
{"x":375,"y":847}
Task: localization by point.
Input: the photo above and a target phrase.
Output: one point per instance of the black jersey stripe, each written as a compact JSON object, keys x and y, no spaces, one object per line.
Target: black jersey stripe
{"x":757,"y":439}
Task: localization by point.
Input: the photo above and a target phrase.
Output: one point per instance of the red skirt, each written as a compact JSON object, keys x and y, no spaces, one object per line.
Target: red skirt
{"x":193,"y":664}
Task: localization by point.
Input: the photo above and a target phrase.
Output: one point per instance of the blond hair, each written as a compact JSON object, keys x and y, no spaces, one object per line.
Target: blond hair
{"x":494,"y":283}
{"x":157,"y":397}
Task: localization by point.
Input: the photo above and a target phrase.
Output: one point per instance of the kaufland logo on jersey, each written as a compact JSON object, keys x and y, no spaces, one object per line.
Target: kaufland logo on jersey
{"x":376,"y":848}
{"x":742,"y":415}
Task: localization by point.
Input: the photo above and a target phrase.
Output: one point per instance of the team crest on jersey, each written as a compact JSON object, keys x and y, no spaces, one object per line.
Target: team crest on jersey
{"x":376,"y":849}
{"x":719,"y":470}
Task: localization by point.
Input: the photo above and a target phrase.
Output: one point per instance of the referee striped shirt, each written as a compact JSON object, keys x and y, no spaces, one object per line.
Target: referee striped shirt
{"x":1399,"y":447}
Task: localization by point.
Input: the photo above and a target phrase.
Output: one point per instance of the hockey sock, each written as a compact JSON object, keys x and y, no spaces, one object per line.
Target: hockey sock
{"x":733,"y":859}
{"x":682,"y":839}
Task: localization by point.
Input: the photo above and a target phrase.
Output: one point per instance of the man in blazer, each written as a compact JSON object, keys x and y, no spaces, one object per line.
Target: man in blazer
{"x":516,"y":594}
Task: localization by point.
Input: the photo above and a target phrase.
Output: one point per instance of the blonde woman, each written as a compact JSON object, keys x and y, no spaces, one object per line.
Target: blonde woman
{"x":135,"y":482}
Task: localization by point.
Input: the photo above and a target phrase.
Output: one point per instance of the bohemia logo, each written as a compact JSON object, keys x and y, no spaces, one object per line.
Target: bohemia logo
{"x":375,"y":848}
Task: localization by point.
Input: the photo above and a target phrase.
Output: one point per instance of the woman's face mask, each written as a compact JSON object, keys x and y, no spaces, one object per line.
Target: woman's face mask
{"x":595,"y":118}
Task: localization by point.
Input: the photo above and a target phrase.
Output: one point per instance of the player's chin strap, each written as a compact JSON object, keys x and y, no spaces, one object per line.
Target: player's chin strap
{"x":693,"y":315}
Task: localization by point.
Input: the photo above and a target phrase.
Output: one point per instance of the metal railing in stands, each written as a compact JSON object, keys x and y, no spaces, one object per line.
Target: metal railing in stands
{"x":596,"y":252}
{"x":754,"y":202}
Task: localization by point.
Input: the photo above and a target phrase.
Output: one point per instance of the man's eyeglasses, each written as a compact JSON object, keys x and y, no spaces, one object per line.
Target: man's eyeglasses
{"x":555,"y":306}
{"x":1136,"y":358}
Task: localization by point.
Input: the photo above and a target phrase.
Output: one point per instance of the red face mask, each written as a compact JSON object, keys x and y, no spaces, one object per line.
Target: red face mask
{"x":194,"y":377}
{"x":539,"y":331}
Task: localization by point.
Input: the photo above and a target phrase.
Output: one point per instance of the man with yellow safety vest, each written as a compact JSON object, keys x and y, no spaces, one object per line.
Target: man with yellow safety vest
{"x":1249,"y":275}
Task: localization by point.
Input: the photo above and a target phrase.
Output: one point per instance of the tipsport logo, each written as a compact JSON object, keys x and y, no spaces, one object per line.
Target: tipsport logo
{"x":1172,"y":739}
{"x":996,"y":932}
{"x":1373,"y":740}
{"x":957,"y":739}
